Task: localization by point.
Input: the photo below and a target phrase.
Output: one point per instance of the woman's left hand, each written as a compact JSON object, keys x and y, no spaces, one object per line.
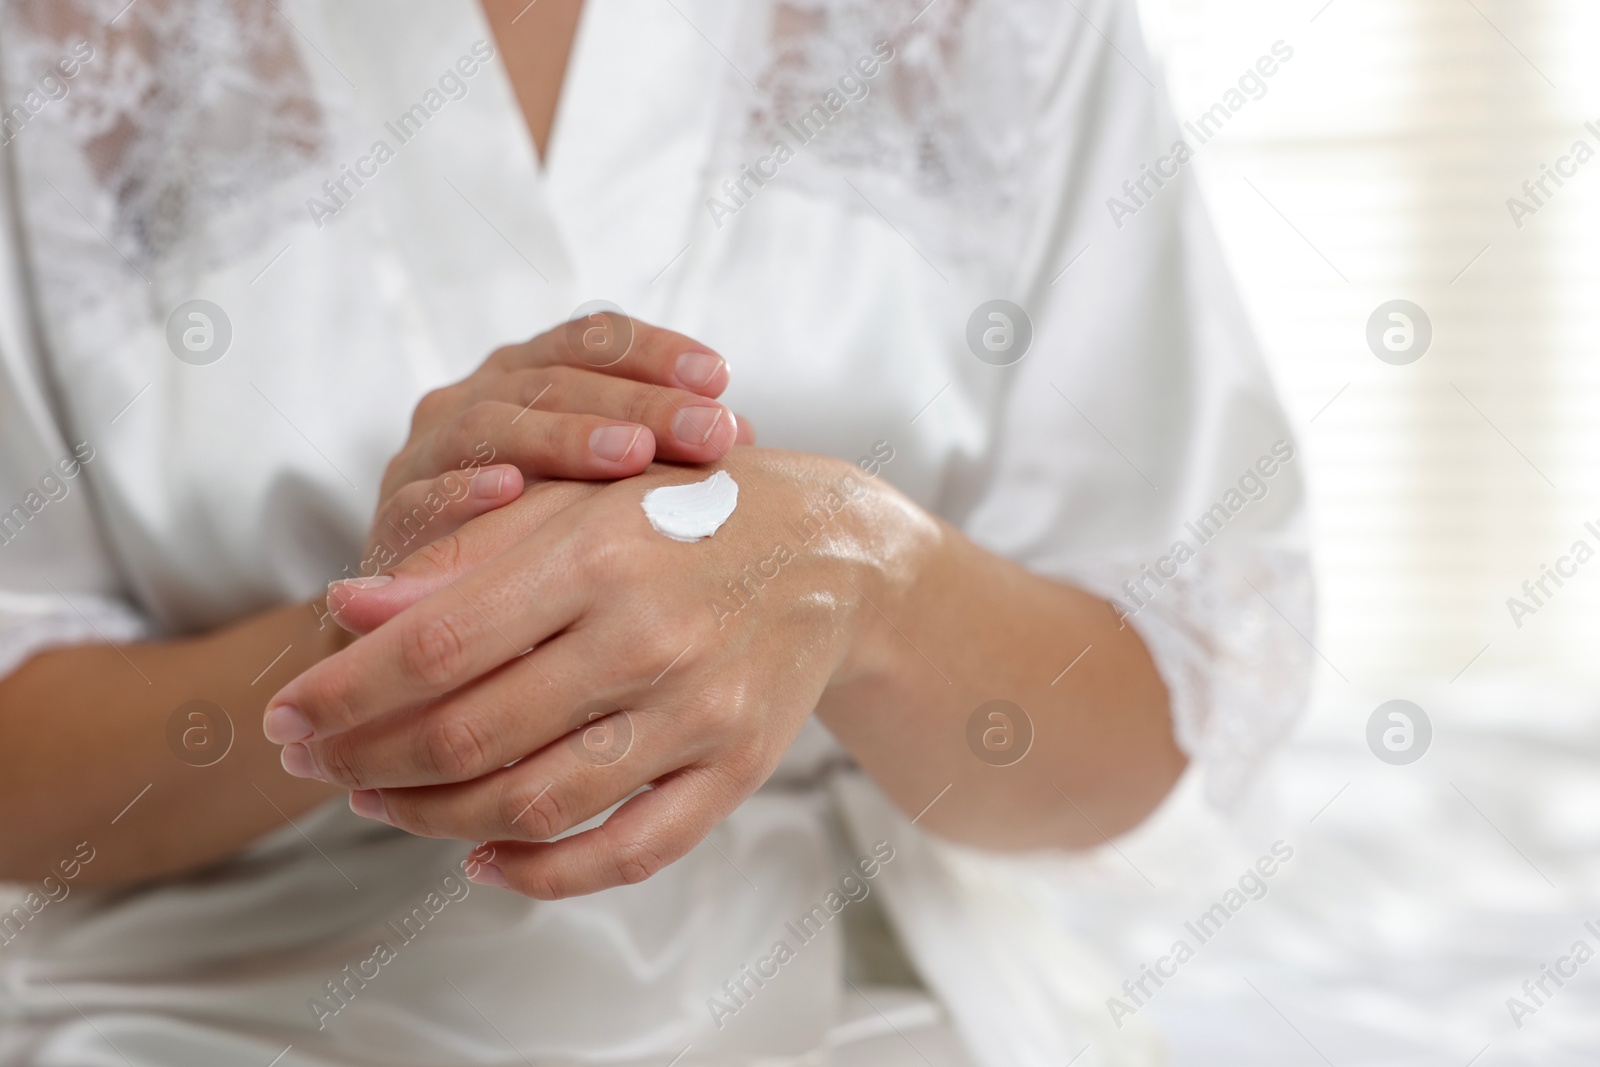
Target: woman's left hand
{"x":546,"y":664}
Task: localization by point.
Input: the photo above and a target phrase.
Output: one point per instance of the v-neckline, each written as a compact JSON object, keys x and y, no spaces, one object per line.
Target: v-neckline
{"x":583,"y":186}
{"x":542,"y":160}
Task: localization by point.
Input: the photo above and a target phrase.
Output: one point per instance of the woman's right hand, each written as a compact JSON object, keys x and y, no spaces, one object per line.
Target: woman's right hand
{"x":595,"y":399}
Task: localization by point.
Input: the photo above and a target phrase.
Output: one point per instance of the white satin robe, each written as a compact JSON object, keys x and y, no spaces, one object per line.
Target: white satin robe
{"x":840,"y":292}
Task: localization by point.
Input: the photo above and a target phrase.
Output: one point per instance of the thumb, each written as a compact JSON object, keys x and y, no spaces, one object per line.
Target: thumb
{"x":361,"y":605}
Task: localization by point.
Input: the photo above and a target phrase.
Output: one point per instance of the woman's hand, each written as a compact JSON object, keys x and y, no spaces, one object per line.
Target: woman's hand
{"x":560,"y":654}
{"x":596,"y":398}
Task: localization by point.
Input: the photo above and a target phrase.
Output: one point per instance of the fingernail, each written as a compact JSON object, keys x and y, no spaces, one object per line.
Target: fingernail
{"x":374,"y":582}
{"x":697,"y":369}
{"x":613,"y":443}
{"x":487,"y":485}
{"x":368,"y":803}
{"x":284,"y":724}
{"x":694,"y":426}
{"x":296,"y":759}
{"x":489,"y":874}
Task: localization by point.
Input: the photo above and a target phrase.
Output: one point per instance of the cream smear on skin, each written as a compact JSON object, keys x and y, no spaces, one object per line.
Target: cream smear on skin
{"x":692,"y":512}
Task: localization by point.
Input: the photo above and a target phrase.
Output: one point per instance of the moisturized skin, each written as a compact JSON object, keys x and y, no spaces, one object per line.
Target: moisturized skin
{"x":532,"y":411}
{"x":1102,"y":758}
{"x":451,"y":716}
{"x":692,"y":512}
{"x":537,"y":410}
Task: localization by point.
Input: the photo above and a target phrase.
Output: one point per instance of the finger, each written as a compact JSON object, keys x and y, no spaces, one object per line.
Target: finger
{"x":687,"y":428}
{"x":649,"y":831}
{"x":747,"y":431}
{"x":542,"y":444}
{"x":549,"y":793}
{"x":532,"y":702}
{"x":362,"y":605}
{"x":622,"y":347}
{"x":424,"y":511}
{"x":473,"y":731}
{"x":468,"y":628}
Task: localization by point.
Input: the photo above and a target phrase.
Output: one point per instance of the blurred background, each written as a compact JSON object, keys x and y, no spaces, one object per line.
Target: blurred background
{"x":1427,"y":886}
{"x":1379,"y":166}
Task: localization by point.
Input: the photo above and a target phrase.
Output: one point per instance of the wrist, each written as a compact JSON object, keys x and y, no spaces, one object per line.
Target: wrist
{"x":898,"y":546}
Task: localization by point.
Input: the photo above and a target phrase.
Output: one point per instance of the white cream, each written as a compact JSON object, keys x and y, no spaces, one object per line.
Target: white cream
{"x":692,"y":512}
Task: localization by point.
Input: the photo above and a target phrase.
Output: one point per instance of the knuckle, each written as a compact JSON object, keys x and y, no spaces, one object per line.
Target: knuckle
{"x":569,"y":340}
{"x":742,"y":769}
{"x":544,"y":388}
{"x":330,"y":697}
{"x":555,"y":436}
{"x":444,"y":556}
{"x":708,"y":710}
{"x":458,"y":748}
{"x":540,"y":881}
{"x":413,"y":818}
{"x":657,"y":648}
{"x":645,"y":406}
{"x":642,"y":403}
{"x":434,"y":651}
{"x":336,"y":759}
{"x":656,"y":343}
{"x":429,"y":410}
{"x":697,"y":627}
{"x":559,"y":378}
{"x":478,"y":422}
{"x":505,"y":356}
{"x":727,"y":713}
{"x":599,"y":557}
{"x":534,"y":815}
{"x":638,"y":858}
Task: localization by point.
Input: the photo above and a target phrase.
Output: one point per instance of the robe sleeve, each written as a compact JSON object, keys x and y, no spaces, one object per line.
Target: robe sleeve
{"x":58,"y":583}
{"x":1144,"y":455}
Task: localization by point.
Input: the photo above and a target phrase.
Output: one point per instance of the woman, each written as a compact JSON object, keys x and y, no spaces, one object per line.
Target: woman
{"x":248,"y":241}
